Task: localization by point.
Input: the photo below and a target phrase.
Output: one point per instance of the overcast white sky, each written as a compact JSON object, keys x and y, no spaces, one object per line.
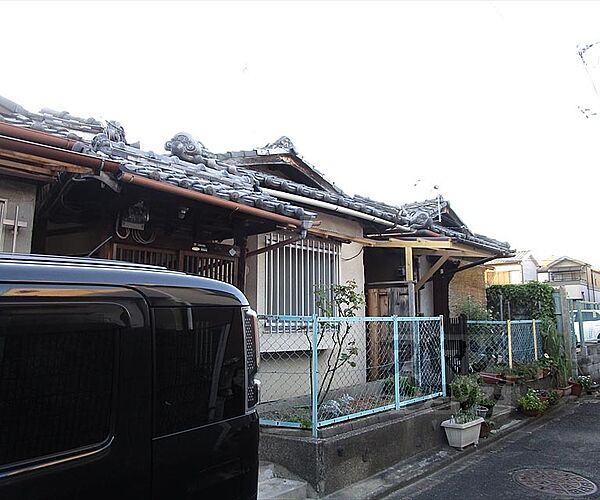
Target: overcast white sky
{"x":479,"y":98}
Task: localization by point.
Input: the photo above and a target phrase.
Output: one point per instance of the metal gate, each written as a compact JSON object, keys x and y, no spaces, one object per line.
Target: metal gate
{"x":455,"y":345}
{"x":210,"y":264}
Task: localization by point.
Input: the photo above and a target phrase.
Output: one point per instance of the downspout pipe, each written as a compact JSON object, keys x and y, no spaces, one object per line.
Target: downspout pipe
{"x":128,"y":178}
{"x":334,"y":208}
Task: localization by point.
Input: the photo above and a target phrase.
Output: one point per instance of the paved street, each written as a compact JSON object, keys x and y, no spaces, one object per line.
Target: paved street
{"x":569,"y":442}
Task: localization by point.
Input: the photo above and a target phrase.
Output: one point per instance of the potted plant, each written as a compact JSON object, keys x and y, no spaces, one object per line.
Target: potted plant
{"x":580,"y":384}
{"x":486,"y":428}
{"x":465,"y":390}
{"x":553,"y":397}
{"x":463,"y":428}
{"x":531,"y":405}
{"x":488,"y":404}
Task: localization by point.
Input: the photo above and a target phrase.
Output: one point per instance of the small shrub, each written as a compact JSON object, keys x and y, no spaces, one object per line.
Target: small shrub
{"x":585,"y":381}
{"x":531,"y":401}
{"x":464,"y":416}
{"x":487,"y":402}
{"x":465,"y":390}
{"x":553,"y":397}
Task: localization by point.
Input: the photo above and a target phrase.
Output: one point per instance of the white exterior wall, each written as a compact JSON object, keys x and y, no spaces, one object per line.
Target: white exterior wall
{"x":529,"y":270}
{"x":286,"y":373}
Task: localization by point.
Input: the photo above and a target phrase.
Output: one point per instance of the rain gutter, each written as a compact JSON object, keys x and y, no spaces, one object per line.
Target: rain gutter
{"x":334,"y":208}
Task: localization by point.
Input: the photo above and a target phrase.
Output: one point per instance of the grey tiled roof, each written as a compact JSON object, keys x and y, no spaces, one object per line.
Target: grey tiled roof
{"x":282,"y":146}
{"x":417,"y":215}
{"x":47,"y":120}
{"x":191,"y":166}
{"x":199,"y":170}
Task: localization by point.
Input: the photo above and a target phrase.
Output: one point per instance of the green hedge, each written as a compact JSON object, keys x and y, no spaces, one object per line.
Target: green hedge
{"x":532,"y":300}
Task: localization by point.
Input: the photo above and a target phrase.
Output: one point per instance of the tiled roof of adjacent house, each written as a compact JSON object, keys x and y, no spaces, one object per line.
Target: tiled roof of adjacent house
{"x":417,"y":215}
{"x":517,"y":258}
{"x":282,"y":146}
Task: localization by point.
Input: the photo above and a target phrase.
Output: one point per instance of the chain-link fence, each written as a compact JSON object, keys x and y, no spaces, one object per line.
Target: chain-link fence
{"x":317,"y":371}
{"x":503,"y":343}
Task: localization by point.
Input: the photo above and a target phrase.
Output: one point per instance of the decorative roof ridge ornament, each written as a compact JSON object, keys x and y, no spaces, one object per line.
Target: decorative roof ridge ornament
{"x":186,"y":148}
{"x":284,"y":142}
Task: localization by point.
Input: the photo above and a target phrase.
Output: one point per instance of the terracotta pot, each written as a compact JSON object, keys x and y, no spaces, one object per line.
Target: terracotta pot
{"x":490,"y":378}
{"x":511,"y":379}
{"x":566,"y":391}
{"x":576,"y":389}
{"x":485,"y":430}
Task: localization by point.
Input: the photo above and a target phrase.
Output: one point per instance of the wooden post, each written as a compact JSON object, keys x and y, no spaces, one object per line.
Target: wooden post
{"x":566,"y":328}
{"x":408,"y":263}
{"x":374,"y":309}
{"x":535,"y":346}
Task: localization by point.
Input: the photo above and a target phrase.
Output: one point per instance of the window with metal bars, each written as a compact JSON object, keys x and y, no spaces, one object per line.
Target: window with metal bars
{"x":295,"y":271}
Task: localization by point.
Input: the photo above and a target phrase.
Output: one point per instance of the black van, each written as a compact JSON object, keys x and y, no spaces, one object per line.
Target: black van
{"x":124,"y":381}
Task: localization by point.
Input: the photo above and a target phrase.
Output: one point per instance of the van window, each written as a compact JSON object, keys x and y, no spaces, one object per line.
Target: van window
{"x":200,"y":367}
{"x":57,"y":365}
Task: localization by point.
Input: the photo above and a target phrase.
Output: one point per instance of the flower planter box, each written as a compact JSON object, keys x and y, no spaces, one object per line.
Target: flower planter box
{"x":461,"y":435}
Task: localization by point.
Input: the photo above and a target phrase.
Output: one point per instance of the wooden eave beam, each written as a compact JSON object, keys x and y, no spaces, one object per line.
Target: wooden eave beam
{"x":40,"y":161}
{"x":420,"y":246}
{"x":12,"y":172}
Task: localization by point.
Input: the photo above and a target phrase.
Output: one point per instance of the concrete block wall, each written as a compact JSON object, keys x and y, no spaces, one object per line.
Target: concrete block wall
{"x":590,"y":364}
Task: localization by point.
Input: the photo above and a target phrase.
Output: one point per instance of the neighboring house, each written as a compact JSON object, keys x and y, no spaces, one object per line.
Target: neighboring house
{"x":518,"y":269}
{"x":580,"y":279}
{"x":403,"y":257}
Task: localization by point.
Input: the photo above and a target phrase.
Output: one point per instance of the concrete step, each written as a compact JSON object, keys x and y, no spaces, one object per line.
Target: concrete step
{"x":273,"y":487}
{"x":279,"y":488}
{"x":266,"y":471}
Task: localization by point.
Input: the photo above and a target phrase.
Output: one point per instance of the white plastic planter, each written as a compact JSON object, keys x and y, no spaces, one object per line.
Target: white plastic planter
{"x":461,"y":435}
